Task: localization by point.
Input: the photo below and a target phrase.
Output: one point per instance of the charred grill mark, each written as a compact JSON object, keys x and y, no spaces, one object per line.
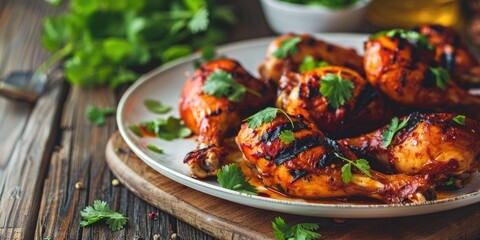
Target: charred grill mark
{"x":336,"y":148}
{"x":415,"y":119}
{"x":274,"y":133}
{"x":401,"y":43}
{"x":448,"y":60}
{"x":311,"y":41}
{"x":217,"y":112}
{"x":429,"y":80}
{"x":403,"y":79}
{"x":366,"y":96}
{"x":312,"y":92}
{"x":230,"y":109}
{"x":296,"y":174}
{"x":299,"y":146}
{"x":325,"y":160}
{"x":329,"y":47}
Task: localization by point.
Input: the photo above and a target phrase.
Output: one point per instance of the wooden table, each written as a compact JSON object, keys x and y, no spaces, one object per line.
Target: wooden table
{"x":46,"y":147}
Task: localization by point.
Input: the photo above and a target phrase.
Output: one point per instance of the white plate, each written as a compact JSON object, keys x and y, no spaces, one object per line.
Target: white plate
{"x":165,"y":83}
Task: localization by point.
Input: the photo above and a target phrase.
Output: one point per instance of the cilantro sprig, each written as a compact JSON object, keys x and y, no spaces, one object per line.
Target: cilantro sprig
{"x":113,"y":42}
{"x":231,"y":177}
{"x":442,"y":77}
{"x":101,"y":211}
{"x":168,"y":129}
{"x":459,"y":119}
{"x":156,"y":106}
{"x":309,"y":63}
{"x":287,"y":47}
{"x":393,"y":127}
{"x":336,"y":89}
{"x":303,"y":231}
{"x":222,"y":84}
{"x":420,"y":39}
{"x":97,"y":115}
{"x":287,"y":136}
{"x":361,"y":164}
{"x":265,"y":116}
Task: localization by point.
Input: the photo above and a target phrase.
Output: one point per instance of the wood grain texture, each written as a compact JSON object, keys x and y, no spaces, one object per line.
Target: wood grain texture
{"x":227,"y":220}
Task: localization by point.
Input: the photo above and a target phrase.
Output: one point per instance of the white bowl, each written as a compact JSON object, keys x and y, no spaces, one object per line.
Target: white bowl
{"x":285,"y":17}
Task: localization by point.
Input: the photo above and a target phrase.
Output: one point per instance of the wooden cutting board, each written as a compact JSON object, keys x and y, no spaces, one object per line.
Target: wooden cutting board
{"x":226,"y":220}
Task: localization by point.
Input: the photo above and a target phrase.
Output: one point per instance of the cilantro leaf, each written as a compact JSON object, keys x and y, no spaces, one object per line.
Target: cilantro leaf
{"x":420,"y":39}
{"x":265,"y":116}
{"x":167,"y":129}
{"x":154,"y":148}
{"x":304,"y":231}
{"x":361,"y":164}
{"x":460,"y":119}
{"x":221,"y":84}
{"x":287,"y":136}
{"x":449,"y":182}
{"x":101,"y":211}
{"x":199,"y":21}
{"x":156,"y":106}
{"x":97,"y":115}
{"x":336,"y":89}
{"x":309,"y":63}
{"x":231,"y":177}
{"x":136,"y":130}
{"x":442,"y":77}
{"x":288,"y":46}
{"x":392,"y":128}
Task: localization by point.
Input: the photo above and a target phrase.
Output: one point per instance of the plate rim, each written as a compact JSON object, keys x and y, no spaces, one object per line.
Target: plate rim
{"x":449,"y":203}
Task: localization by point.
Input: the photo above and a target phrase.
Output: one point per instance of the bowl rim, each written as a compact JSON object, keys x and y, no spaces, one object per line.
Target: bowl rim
{"x":298,"y":8}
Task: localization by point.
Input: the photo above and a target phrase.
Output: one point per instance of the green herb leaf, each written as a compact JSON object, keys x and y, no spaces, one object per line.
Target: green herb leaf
{"x":309,"y":63}
{"x":156,"y":106}
{"x":97,"y":115}
{"x":136,"y":130}
{"x":449,"y":182}
{"x":231,"y":177}
{"x":361,"y":164}
{"x":336,"y":89}
{"x":303,"y":231}
{"x":199,"y":22}
{"x":55,"y":3}
{"x":101,"y":211}
{"x":442,"y":77}
{"x":460,"y":119}
{"x":392,"y":128}
{"x":420,"y":39}
{"x":265,"y":116}
{"x":154,"y":148}
{"x":221,"y":84}
{"x":287,"y":136}
{"x":288,"y":46}
{"x":331,"y":4}
{"x":167,"y":129}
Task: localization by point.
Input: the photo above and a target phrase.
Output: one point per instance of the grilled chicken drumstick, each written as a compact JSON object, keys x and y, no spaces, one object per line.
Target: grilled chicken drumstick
{"x":362,"y":112}
{"x":428,"y":144}
{"x":308,"y":167}
{"x":274,"y":67}
{"x":403,"y":72}
{"x":452,"y":54}
{"x":214,"y":118}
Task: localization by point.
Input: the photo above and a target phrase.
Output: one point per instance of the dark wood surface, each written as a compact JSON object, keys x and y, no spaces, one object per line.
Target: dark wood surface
{"x":227,"y":220}
{"x":46,"y":147}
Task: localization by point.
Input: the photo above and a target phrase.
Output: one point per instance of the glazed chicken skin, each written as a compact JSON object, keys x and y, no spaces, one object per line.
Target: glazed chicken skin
{"x":452,"y":53}
{"x":429,"y":144}
{"x":308,"y":167}
{"x":273,"y":68}
{"x":400,"y":70}
{"x":214,"y":118}
{"x":362,"y":113}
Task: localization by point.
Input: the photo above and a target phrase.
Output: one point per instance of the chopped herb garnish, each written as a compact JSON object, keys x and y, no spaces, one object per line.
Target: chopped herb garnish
{"x":265,"y":116}
{"x":309,"y":63}
{"x":420,"y":39}
{"x":460,"y":119}
{"x":304,"y":231}
{"x":449,"y":182}
{"x":231,"y":177}
{"x":288,"y":46}
{"x":156,"y":106}
{"x":287,"y":136}
{"x":336,"y":89}
{"x":97,"y":115}
{"x":136,"y":130}
{"x":221,"y":84}
{"x":361,"y":164}
{"x":442,"y":77}
{"x":167,"y":129}
{"x":100,"y":211}
{"x":154,"y":148}
{"x":392,"y":128}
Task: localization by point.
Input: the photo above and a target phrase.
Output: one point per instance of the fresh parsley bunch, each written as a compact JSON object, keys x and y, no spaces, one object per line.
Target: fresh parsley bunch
{"x":111,"y":42}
